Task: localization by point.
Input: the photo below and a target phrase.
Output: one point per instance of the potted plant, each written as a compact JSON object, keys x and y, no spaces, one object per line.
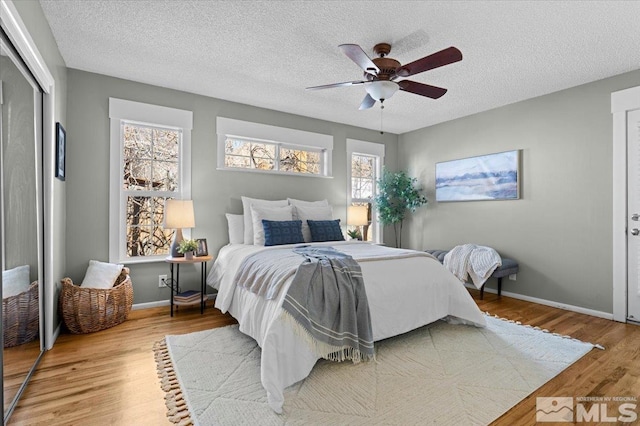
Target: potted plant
{"x":188,"y":248}
{"x":397,"y":193}
{"x":354,"y":234}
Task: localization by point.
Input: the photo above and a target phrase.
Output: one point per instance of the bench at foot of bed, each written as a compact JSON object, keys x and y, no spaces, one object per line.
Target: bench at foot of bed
{"x":509,"y":266}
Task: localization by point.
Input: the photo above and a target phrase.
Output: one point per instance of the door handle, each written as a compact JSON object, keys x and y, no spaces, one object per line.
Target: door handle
{"x":635,"y":231}
{"x":635,"y":217}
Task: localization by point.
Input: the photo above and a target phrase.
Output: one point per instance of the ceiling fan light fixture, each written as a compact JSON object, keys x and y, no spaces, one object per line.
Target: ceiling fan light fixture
{"x":381,"y":89}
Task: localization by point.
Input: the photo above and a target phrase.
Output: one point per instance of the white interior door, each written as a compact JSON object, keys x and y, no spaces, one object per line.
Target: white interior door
{"x":633,"y":216}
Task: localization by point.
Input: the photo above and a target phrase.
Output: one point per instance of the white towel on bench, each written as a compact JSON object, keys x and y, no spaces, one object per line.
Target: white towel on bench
{"x":470,"y":260}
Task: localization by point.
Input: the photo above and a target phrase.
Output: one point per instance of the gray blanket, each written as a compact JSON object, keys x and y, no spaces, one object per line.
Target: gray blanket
{"x":264,"y":272}
{"x":326,"y":304}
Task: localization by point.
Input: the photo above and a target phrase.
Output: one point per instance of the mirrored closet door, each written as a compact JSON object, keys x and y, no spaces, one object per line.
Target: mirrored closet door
{"x":21,"y":223}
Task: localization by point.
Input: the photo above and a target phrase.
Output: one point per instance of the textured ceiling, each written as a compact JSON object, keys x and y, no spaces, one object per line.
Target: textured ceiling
{"x":266,"y":53}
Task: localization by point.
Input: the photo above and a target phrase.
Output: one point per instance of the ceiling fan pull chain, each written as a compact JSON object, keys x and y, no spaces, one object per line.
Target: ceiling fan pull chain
{"x":381,"y":110}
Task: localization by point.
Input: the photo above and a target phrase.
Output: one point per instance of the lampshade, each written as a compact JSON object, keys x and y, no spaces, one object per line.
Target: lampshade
{"x":178,"y":214}
{"x":357,"y":216}
{"x":381,"y":89}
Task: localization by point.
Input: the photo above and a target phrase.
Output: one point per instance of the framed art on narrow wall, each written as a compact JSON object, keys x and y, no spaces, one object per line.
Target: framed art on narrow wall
{"x":486,"y":177}
{"x":61,"y":151}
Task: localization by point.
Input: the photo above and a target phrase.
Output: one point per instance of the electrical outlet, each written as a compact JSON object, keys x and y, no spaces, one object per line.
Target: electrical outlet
{"x":512,"y":277}
{"x":162,"y":279}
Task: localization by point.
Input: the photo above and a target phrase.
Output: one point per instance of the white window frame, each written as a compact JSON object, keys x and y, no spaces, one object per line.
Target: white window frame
{"x":121,"y":111}
{"x":282,"y":137}
{"x":377,"y":151}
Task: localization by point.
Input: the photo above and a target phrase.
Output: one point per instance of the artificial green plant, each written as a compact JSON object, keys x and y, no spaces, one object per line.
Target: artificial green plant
{"x":397,"y":193}
{"x":187,"y":246}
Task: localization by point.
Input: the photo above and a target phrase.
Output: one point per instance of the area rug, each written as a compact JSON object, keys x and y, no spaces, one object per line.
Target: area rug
{"x":440,"y":374}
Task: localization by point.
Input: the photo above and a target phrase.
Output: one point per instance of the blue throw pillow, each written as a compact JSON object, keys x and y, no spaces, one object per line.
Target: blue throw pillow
{"x":278,"y":232}
{"x":325,"y":230}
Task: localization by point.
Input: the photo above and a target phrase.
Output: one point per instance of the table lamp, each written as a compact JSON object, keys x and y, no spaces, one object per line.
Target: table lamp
{"x":178,"y":214}
{"x":358,"y":216}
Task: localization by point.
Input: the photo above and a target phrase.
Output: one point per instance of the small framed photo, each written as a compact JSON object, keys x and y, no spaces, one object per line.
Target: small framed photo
{"x":202,"y":247}
{"x":61,"y":150}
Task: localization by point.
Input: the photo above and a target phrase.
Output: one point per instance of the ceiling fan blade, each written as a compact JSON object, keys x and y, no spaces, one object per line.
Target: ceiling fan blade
{"x":432,"y":92}
{"x":435,"y":60}
{"x":357,"y":55}
{"x":330,"y":86}
{"x":367,"y":102}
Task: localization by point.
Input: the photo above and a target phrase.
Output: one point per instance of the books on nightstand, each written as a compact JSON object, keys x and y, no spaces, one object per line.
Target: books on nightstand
{"x":187,"y":296}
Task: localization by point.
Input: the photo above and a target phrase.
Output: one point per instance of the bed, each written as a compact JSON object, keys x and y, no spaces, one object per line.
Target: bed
{"x":405,"y":290}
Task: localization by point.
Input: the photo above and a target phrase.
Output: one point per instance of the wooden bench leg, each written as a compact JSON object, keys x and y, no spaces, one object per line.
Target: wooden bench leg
{"x":499,"y":289}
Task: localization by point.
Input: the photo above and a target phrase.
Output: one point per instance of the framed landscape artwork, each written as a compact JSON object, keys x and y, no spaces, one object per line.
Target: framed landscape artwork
{"x":486,"y":177}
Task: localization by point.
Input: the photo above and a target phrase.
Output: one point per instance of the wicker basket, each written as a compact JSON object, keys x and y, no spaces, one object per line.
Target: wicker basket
{"x":21,"y":317}
{"x":86,"y":310}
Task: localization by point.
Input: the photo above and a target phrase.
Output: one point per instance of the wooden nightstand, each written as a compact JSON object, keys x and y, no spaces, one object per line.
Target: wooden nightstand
{"x":177,"y":261}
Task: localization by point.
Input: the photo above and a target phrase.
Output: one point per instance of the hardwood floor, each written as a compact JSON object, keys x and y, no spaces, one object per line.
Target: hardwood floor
{"x":17,"y":362}
{"x":110,"y":377}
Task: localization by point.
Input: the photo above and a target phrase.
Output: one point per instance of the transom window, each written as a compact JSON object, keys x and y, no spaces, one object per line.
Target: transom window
{"x":252,"y":154}
{"x":150,"y":162}
{"x":247,"y":146}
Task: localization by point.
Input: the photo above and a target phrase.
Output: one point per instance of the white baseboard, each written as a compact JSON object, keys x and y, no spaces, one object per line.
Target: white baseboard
{"x":159,"y":303}
{"x":566,"y":307}
{"x":572,"y":308}
{"x":148,"y":305}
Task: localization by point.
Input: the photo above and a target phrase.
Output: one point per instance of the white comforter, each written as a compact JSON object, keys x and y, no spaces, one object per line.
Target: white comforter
{"x":404,"y":293}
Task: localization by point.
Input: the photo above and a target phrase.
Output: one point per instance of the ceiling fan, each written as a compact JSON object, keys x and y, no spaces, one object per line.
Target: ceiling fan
{"x":381,"y":73}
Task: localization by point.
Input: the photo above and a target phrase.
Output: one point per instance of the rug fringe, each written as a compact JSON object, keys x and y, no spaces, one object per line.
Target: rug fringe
{"x":544,"y":330}
{"x":177,"y":409}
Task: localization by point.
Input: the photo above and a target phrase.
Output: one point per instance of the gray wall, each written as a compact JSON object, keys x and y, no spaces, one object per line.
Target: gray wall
{"x":38,"y":27}
{"x":561,"y":229}
{"x":214,"y":192}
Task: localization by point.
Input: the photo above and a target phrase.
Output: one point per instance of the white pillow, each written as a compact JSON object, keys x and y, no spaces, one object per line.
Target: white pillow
{"x":311,"y":213}
{"x":302,"y":203}
{"x":268,"y":213}
{"x":246,"y":208}
{"x":101,"y":275}
{"x":235,"y":223}
{"x":15,"y":281}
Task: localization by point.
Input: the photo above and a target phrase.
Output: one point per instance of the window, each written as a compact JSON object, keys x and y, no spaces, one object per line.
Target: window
{"x":150,"y":162}
{"x":363,"y":177}
{"x":150,"y":176}
{"x":250,"y":154}
{"x":247,"y":146}
{"x":366,"y":159}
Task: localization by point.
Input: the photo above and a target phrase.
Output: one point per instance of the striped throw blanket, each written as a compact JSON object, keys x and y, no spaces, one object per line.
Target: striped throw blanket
{"x":326,"y":304}
{"x":470,"y":260}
